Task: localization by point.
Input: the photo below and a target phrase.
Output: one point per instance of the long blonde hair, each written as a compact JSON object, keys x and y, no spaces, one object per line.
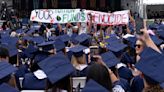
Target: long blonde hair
{"x":78,"y":60}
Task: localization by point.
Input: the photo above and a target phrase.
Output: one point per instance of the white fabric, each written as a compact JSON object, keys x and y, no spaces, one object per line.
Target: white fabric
{"x":40,"y":74}
{"x":118,"y":88}
{"x":81,"y":67}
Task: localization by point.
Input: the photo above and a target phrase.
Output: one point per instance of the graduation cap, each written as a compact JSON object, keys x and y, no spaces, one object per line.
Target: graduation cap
{"x":59,"y":45}
{"x":151,"y":65}
{"x":161,"y":34}
{"x":30,"y":31}
{"x":73,"y":40}
{"x":11,"y":49}
{"x":64,"y":38}
{"x":110,"y":59}
{"x":29,"y":51}
{"x":6,"y":69}
{"x":116,"y":47}
{"x":56,"y":67}
{"x":20,"y":31}
{"x":156,"y":40}
{"x":46,"y":46}
{"x":9,"y":40}
{"x":6,"y":88}
{"x":113,"y":39}
{"x":28,"y":38}
{"x":78,"y":50}
{"x":83,"y":37}
{"x":125,"y":73}
{"x":161,"y":27}
{"x":131,"y":41}
{"x":153,"y":26}
{"x":38,"y":39}
{"x":92,"y":86}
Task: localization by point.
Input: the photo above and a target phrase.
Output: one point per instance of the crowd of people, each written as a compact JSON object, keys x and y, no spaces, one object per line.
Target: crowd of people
{"x":118,"y":58}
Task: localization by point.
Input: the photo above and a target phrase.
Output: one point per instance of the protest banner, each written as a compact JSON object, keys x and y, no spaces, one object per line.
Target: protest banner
{"x":77,"y":15}
{"x":58,"y":15}
{"x":115,"y":18}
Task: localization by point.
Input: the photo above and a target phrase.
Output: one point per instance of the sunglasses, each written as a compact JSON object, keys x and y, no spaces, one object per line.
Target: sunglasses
{"x":138,"y":45}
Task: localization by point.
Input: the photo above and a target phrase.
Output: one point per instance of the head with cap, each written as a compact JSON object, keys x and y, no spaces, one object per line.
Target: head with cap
{"x":151,"y":67}
{"x":100,"y":74}
{"x":4,"y":54}
{"x":78,"y":56}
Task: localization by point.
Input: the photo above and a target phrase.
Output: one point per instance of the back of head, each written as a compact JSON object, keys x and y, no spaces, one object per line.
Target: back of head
{"x":100,"y":74}
{"x":4,"y":53}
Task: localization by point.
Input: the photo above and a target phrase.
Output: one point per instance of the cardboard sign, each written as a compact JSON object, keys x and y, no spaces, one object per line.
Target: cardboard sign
{"x":58,"y":15}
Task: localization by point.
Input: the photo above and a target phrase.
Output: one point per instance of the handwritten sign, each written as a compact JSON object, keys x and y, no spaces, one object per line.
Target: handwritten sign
{"x":76,"y":15}
{"x":58,"y":15}
{"x":115,"y":18}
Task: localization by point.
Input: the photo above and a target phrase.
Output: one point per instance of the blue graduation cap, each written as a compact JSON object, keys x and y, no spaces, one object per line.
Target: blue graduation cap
{"x":125,"y":73}
{"x":137,"y":84}
{"x":73,"y":40}
{"x":38,"y":39}
{"x":46,"y":46}
{"x":59,"y":45}
{"x":156,"y":40}
{"x":110,"y":59}
{"x":82,"y":37}
{"x":131,"y":41}
{"x":56,"y":67}
{"x":40,"y":55}
{"x":64,"y":38}
{"x":29,"y":51}
{"x":20,"y":31}
{"x":113,"y":39}
{"x":116,"y":47}
{"x":30,"y":82}
{"x":30,"y":31}
{"x":6,"y":69}
{"x":92,"y":86}
{"x":78,"y":50}
{"x":28,"y":38}
{"x":9,"y":40}
{"x":151,"y":65}
{"x":153,"y":26}
{"x":11,"y":49}
{"x":6,"y":88}
{"x":161,"y":34}
{"x":161,"y":27}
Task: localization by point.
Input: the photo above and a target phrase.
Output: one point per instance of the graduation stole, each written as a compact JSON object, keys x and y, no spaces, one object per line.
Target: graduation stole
{"x":93,"y":4}
{"x":54,"y":3}
{"x":74,"y":3}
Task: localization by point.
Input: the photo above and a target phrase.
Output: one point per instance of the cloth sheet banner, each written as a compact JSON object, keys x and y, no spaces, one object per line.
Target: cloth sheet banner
{"x":78,"y":15}
{"x":115,"y":18}
{"x":58,"y":15}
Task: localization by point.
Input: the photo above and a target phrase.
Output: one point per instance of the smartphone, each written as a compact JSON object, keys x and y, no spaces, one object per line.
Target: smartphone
{"x":139,"y":25}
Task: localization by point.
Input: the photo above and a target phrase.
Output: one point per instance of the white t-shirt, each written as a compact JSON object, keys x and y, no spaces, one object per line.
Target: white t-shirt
{"x":48,"y":33}
{"x":83,"y":28}
{"x":118,"y":88}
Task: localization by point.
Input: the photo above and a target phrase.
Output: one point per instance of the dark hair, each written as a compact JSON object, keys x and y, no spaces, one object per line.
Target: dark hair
{"x":100,"y":74}
{"x":4,"y":53}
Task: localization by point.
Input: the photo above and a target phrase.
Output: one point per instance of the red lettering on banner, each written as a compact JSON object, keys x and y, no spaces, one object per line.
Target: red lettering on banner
{"x":124,"y":16}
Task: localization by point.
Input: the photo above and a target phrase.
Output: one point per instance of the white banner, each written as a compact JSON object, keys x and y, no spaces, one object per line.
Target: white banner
{"x":75,"y":15}
{"x":58,"y":15}
{"x":115,"y":18}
